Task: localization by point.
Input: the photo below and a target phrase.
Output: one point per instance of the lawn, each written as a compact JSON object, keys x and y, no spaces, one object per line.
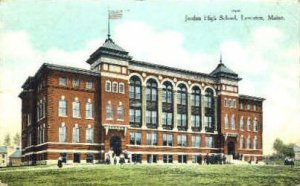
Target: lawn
{"x":152,"y":175}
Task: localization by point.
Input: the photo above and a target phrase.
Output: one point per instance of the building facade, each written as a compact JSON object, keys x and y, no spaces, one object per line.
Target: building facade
{"x":154,"y":112}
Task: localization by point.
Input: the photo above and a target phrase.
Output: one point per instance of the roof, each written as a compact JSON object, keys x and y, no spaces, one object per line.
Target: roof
{"x":252,"y":98}
{"x":296,"y":148}
{"x":109,"y":48}
{"x":16,"y":154}
{"x":221,"y":68}
{"x":3,"y":149}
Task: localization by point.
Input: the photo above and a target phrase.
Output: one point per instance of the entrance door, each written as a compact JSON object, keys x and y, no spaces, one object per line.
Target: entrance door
{"x":115,"y":145}
{"x":231,"y":148}
{"x":76,"y":158}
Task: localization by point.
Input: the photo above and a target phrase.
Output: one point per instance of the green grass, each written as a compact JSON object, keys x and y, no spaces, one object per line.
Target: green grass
{"x":152,"y":175}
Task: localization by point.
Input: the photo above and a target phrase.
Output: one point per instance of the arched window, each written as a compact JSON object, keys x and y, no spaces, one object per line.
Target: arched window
{"x":76,"y":108}
{"x":167,"y":105}
{"x":89,"y":109}
{"x":196,"y":97}
{"x":209,"y":110}
{"x":196,"y":108}
{"x":135,"y":88}
{"x":255,"y":143}
{"x":108,"y":86}
{"x":62,"y":107}
{"x":75,"y":134}
{"x":249,"y":143}
{"x":115,"y":87}
{"x":233,"y":122}
{"x":167,"y":96}
{"x":120,"y":111}
{"x":242,"y":125}
{"x":255,"y":125}
{"x":89,"y":134}
{"x":151,"y":90}
{"x":242,"y":142}
{"x":62,"y":133}
{"x":181,"y":107}
{"x":226,"y":121}
{"x":249,"y":124}
{"x":151,"y":112}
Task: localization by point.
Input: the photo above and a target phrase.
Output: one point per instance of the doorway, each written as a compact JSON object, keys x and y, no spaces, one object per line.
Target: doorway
{"x":76,"y":158}
{"x":115,"y":145}
{"x":231,"y":148}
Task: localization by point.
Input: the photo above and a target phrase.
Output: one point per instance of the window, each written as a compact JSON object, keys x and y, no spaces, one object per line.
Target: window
{"x":151,"y":138}
{"x":62,"y":107}
{"x":167,"y":119}
{"x":208,"y":99}
{"x":209,"y":141}
{"x":225,"y":102}
{"x":182,"y":158}
{"x":255,"y":125}
{"x":62,"y":133}
{"x":167,"y":95}
{"x":209,"y":115}
{"x":75,"y":134}
{"x":234,"y":103}
{"x":196,"y":141}
{"x":28,"y":119}
{"x":196,"y":97}
{"x":121,"y":88}
{"x":109,"y":111}
{"x":249,"y":124}
{"x":137,"y":158}
{"x":181,"y":140}
{"x":197,"y":159}
{"x":208,"y":122}
{"x":76,"y":83}
{"x":135,"y":117}
{"x":233,"y":122}
{"x":115,"y":87}
{"x":195,"y":121}
{"x":242,"y":125}
{"x":254,"y":107}
{"x":226,"y":121}
{"x":135,"y":138}
{"x":242,"y":143}
{"x":151,"y":91}
{"x":135,"y":88}
{"x":62,"y":81}
{"x":89,"y":110}
{"x":151,"y":158}
{"x":89,"y":134}
{"x":181,"y":120}
{"x":167,"y":158}
{"x":108,"y":86}
{"x":120,"y":112}
{"x":181,"y":95}
{"x":248,"y":106}
{"x":255,"y":143}
{"x":249,"y":143}
{"x":89,"y":84}
{"x":167,"y":139}
{"x":241,"y":106}
{"x":76,"y":108}
{"x":151,"y":117}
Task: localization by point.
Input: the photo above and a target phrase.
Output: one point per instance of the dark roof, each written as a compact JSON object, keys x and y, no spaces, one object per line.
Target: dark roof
{"x":252,"y":98}
{"x":3,"y":149}
{"x":16,"y":154}
{"x":222,"y":71}
{"x":109,"y":48}
{"x":167,"y":68}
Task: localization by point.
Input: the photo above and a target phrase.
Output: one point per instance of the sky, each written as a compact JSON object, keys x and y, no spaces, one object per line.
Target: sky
{"x":265,"y":53}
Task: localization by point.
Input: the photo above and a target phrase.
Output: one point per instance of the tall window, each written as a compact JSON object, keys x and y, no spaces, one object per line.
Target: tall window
{"x":195,"y":121}
{"x":135,"y":117}
{"x":196,"y":109}
{"x":135,"y":138}
{"x":167,"y":139}
{"x":209,"y":110}
{"x":255,"y":143}
{"x":249,"y":124}
{"x":242,"y":124}
{"x":62,"y":133}
{"x":151,"y":119}
{"x":196,"y":102}
{"x":89,"y":134}
{"x":76,"y":83}
{"x":120,"y":112}
{"x":255,"y":125}
{"x":62,"y":81}
{"x":76,"y":108}
{"x":151,"y":91}
{"x":181,"y":121}
{"x":233,"y":122}
{"x":181,"y":107}
{"x":209,"y":141}
{"x":109,"y":111}
{"x":167,"y":106}
{"x":89,"y":84}
{"x":121,"y":88}
{"x":108,"y":86}
{"x":181,"y":140}
{"x":249,"y":143}
{"x":62,"y":107}
{"x":167,"y":95}
{"x":196,"y":141}
{"x":242,"y":142}
{"x":89,"y":109}
{"x":181,"y":95}
{"x":226,"y":121}
{"x":75,"y":134}
{"x":135,"y":88}
{"x":151,"y":138}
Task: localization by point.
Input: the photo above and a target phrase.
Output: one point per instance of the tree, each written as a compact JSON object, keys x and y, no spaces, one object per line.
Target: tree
{"x":283,"y":150}
{"x":7,"y":141}
{"x":17,"y":139}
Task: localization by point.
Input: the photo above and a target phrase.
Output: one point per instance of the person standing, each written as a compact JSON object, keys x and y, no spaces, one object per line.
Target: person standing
{"x":59,"y":162}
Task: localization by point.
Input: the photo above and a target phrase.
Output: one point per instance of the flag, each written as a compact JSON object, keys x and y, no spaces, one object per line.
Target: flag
{"x":115,"y":14}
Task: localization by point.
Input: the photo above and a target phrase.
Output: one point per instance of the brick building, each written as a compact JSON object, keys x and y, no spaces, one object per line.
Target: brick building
{"x":156,"y":113}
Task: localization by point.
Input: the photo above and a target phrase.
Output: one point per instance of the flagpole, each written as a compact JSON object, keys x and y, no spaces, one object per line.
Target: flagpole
{"x":108,"y":25}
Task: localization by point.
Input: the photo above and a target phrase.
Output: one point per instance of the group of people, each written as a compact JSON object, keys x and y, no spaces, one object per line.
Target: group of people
{"x":213,"y":159}
{"x":111,"y":157}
